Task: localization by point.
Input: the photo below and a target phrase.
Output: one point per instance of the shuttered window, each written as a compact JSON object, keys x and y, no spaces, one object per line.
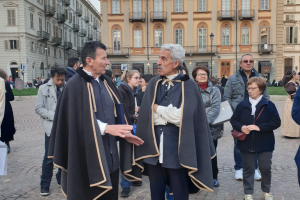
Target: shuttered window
{"x":291,"y":35}
{"x":12,"y":44}
{"x":138,"y":38}
{"x":11,"y":17}
{"x":201,"y":5}
{"x":31,"y":20}
{"x":178,"y":6}
{"x":115,"y":7}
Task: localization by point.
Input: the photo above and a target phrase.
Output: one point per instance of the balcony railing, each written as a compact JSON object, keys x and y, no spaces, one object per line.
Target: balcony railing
{"x":94,"y":25}
{"x":61,"y":18}
{"x":79,"y":12}
{"x":201,"y":50}
{"x":68,"y":45}
{"x":66,"y":2}
{"x":86,"y":19}
{"x":56,"y":41}
{"x":158,"y":16}
{"x":226,"y":14}
{"x":75,"y":27}
{"x":90,"y":36}
{"x":137,"y":16}
{"x":246,"y":14}
{"x":118,"y":52}
{"x":43,"y":35}
{"x":82,"y":32}
{"x":265,"y":48}
{"x":49,"y":11}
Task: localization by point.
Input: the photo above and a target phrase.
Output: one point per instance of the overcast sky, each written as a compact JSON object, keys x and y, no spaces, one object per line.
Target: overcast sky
{"x":96,"y":3}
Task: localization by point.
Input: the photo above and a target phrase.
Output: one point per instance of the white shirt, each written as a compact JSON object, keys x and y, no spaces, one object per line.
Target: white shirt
{"x":101,"y":125}
{"x":164,"y":115}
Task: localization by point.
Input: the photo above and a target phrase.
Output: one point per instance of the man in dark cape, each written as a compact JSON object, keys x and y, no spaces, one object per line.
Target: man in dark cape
{"x":84,"y":134}
{"x":183,"y":159}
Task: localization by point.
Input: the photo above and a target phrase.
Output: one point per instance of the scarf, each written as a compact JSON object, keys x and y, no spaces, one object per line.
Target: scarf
{"x":203,"y":86}
{"x":254,"y":103}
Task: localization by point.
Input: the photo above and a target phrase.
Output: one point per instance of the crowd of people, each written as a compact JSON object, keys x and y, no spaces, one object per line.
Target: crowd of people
{"x":164,"y":125}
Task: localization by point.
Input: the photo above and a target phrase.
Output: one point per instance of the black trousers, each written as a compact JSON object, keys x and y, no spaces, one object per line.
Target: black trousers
{"x":264,"y":163}
{"x":114,"y":193}
{"x":159,"y":177}
{"x":214,"y":162}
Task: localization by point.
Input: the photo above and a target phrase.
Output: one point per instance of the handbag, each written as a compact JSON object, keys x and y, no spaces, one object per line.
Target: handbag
{"x":241,"y":136}
{"x":225,"y":113}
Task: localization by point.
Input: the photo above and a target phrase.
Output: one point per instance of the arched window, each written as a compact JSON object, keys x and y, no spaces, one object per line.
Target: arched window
{"x":202,"y":36}
{"x":178,"y":33}
{"x":137,"y":36}
{"x":245,"y":33}
{"x":158,"y":35}
{"x":226,"y":33}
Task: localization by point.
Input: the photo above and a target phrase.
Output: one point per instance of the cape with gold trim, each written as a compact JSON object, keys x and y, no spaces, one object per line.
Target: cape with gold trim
{"x":76,"y":144}
{"x":195,"y":146}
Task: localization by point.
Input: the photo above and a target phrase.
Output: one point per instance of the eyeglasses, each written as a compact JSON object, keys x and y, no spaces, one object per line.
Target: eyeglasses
{"x":204,"y":74}
{"x":248,"y":61}
{"x":252,"y":88}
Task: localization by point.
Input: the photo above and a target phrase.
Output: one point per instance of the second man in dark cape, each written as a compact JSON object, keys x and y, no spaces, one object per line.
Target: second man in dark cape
{"x":172,"y":121}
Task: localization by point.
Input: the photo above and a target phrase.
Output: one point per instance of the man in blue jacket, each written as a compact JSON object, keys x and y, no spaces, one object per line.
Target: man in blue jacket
{"x":296,"y":117}
{"x":73,"y":64}
{"x":235,"y":92}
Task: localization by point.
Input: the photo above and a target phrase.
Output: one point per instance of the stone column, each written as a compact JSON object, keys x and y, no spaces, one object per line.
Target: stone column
{"x":126,"y":32}
{"x":190,"y":27}
{"x":104,"y":24}
{"x":168,"y":27}
{"x":255,"y":27}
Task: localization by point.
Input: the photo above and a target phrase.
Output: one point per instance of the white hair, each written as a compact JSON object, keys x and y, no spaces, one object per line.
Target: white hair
{"x":177,"y":52}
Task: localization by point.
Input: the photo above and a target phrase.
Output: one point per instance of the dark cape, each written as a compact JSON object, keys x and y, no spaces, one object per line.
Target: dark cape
{"x":8,"y":124}
{"x":195,"y":145}
{"x":76,"y":144}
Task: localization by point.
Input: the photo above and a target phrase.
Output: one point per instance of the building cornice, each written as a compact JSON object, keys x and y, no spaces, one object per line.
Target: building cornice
{"x":10,"y":4}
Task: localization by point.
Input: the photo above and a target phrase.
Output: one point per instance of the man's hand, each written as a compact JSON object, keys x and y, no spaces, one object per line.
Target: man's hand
{"x":254,"y":128}
{"x":133,"y":139}
{"x":246,"y":129}
{"x":118,"y":130}
{"x":155,"y":106}
{"x":143,"y":88}
{"x":136,"y":109}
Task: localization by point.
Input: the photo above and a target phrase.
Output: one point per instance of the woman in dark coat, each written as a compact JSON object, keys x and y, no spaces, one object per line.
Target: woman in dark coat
{"x":8,"y":124}
{"x":260,"y":138}
{"x":129,"y":94}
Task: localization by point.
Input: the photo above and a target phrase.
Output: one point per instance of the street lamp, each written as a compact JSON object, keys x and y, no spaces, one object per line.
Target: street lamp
{"x":211,"y":40}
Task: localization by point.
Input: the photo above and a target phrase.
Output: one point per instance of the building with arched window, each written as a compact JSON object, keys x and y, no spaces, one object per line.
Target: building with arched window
{"x":239,"y":27}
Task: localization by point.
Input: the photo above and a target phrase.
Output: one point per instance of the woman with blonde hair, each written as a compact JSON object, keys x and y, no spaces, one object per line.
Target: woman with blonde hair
{"x":289,"y":127}
{"x":129,"y":94}
{"x":8,"y":124}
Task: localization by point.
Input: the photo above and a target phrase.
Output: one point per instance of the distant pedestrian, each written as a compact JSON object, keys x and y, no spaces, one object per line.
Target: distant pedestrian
{"x":8,"y":124}
{"x":289,"y":127}
{"x":296,"y":117}
{"x":118,"y":81}
{"x":258,"y":118}
{"x":223,"y":81}
{"x":45,"y":106}
{"x":144,"y":82}
{"x":42,"y":80}
{"x":11,"y":82}
{"x":73,"y":64}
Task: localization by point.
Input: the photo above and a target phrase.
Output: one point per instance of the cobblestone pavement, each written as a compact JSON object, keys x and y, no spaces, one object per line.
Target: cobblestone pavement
{"x":25,"y":160}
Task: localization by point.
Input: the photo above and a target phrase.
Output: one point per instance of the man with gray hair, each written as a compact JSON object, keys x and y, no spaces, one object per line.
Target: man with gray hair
{"x":178,"y":147}
{"x":235,"y":92}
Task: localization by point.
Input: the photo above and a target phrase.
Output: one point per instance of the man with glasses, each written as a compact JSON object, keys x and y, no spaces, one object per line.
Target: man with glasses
{"x":235,"y":92}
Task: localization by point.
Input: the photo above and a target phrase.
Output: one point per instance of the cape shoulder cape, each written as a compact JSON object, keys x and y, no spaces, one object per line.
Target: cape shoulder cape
{"x":195,"y":146}
{"x":76,"y":144}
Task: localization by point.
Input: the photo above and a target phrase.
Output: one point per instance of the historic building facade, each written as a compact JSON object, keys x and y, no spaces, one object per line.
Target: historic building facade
{"x":288,"y":16}
{"x":37,"y":34}
{"x":134,"y":30}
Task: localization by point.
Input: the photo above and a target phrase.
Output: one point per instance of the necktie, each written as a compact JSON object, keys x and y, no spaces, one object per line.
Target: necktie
{"x":58,"y":92}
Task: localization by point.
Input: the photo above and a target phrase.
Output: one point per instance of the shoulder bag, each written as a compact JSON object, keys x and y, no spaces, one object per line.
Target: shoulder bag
{"x":241,"y":135}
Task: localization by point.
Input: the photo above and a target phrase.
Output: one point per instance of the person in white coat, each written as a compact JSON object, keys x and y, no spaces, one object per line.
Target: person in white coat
{"x":45,"y":106}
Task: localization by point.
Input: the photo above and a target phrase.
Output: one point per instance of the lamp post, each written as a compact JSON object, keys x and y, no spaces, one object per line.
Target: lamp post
{"x":211,"y":41}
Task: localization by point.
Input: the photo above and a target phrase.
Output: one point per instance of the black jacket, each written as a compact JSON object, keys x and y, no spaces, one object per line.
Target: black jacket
{"x":269,"y":120}
{"x":127,"y":95}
